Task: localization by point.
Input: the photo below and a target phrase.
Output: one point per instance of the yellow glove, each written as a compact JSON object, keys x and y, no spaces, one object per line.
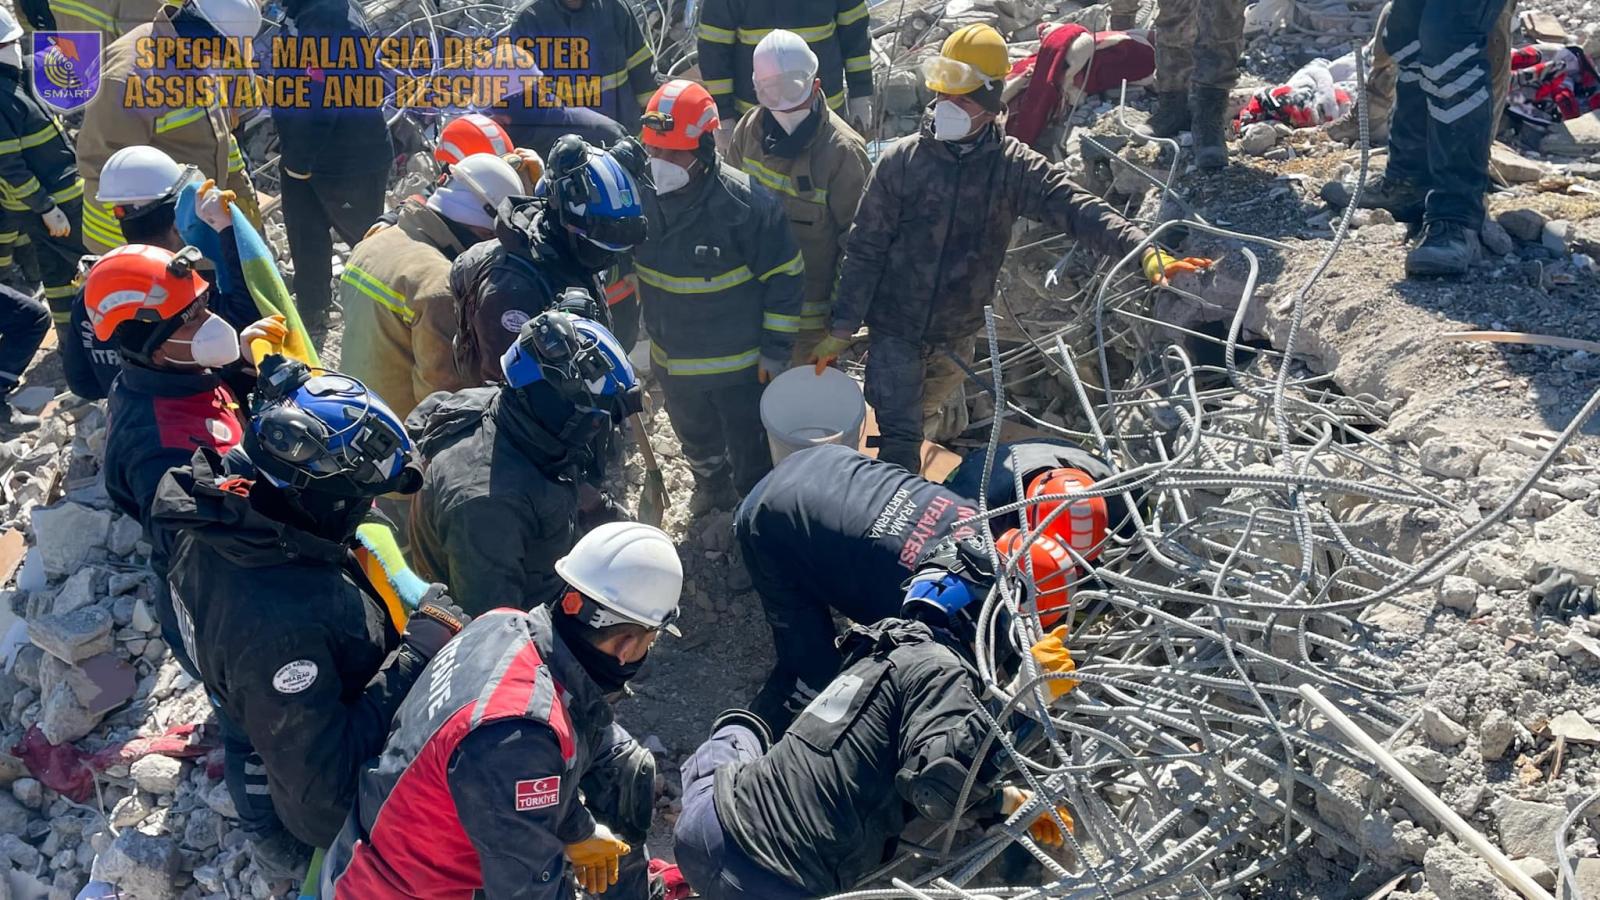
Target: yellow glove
{"x":1161,"y":266}
{"x":1044,"y":829}
{"x":1053,"y":658}
{"x":263,"y":335}
{"x":828,"y":350}
{"x":596,"y":861}
{"x":527,"y":162}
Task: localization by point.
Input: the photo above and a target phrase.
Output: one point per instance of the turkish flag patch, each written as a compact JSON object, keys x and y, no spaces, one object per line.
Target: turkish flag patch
{"x":538,"y":793}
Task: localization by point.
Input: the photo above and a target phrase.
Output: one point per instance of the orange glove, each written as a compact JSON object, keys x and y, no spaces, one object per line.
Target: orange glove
{"x":1044,"y":829}
{"x":827,"y":351}
{"x":596,"y":862}
{"x":1054,"y":658}
{"x":1160,"y":267}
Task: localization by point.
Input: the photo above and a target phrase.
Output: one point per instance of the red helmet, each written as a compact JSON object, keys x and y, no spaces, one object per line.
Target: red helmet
{"x":469,"y":134}
{"x":1083,"y":525}
{"x":679,"y":114}
{"x":1052,"y":570}
{"x":141,"y":283}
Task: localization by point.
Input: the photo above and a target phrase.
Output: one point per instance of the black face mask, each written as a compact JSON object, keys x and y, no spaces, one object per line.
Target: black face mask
{"x":590,"y":257}
{"x":611,"y":675}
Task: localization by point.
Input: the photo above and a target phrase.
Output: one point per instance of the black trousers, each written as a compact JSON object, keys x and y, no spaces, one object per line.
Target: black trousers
{"x":58,"y":262}
{"x":312,"y":207}
{"x":1444,"y":103}
{"x":720,"y":429}
{"x":23,"y":323}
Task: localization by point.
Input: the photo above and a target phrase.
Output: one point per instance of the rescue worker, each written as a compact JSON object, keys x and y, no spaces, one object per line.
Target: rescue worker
{"x":538,"y":126}
{"x":831,"y":530}
{"x":292,"y":641}
{"x":1198,"y":43}
{"x":617,"y":52}
{"x":505,"y":770}
{"x":930,"y":236}
{"x":499,"y":499}
{"x":111,"y":18}
{"x":892,"y":739}
{"x":803,"y":152}
{"x":839,"y":32}
{"x":178,"y":386}
{"x":1448,"y":99}
{"x":1032,"y":459}
{"x":40,"y":189}
{"x":400,"y":318}
{"x":464,"y":136}
{"x":721,"y":284}
{"x":591,"y":212}
{"x":335,"y":157}
{"x":198,"y":135}
{"x":143,"y":185}
{"x":23,"y":323}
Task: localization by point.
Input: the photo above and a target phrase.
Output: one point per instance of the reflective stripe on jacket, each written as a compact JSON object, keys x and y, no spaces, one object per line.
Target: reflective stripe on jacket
{"x":617,"y":51}
{"x":37,"y":167}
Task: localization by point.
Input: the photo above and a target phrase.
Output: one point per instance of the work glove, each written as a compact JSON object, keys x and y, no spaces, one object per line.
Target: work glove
{"x":770,"y":368}
{"x":272,"y":331}
{"x":596,"y":861}
{"x":828,"y":350}
{"x":1054,"y":658}
{"x":859,"y":111}
{"x":528,"y":162}
{"x":1160,"y":267}
{"x":56,"y":222}
{"x":213,"y":206}
{"x":1044,"y":829}
{"x":435,"y":622}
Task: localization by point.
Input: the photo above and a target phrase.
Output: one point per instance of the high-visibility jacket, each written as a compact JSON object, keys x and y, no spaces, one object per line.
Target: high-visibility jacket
{"x":617,"y":52}
{"x":200,"y":135}
{"x":112,"y":18}
{"x":37,"y":167}
{"x":398,"y":312}
{"x":818,"y":173}
{"x":837,"y":30}
{"x":720,"y":279}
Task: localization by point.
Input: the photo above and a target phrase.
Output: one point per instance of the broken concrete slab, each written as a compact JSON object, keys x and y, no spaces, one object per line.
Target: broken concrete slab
{"x":32,"y":399}
{"x":73,"y":636}
{"x":140,"y":865}
{"x":160,"y":775}
{"x":1574,"y":137}
{"x":1424,"y":762}
{"x":63,"y":717}
{"x":1570,"y":540}
{"x":1442,"y":728}
{"x":69,"y":535}
{"x":1575,"y":728}
{"x":1496,"y":734}
{"x":1523,"y":224}
{"x":77,"y":592}
{"x":1529,"y":829}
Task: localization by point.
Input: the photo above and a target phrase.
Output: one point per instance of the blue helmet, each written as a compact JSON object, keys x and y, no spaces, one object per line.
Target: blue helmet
{"x":593,"y":194}
{"x":321,"y":430}
{"x":579,"y":361}
{"x":950,"y":576}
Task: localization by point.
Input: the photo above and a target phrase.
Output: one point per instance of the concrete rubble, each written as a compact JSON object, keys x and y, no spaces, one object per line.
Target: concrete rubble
{"x":1492,"y":703}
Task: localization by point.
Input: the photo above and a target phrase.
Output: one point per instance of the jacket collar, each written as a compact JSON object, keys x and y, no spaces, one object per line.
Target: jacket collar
{"x":167,"y":382}
{"x":418,"y":220}
{"x":712,"y":202}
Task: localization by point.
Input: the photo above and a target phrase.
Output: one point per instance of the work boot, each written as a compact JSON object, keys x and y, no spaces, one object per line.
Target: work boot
{"x":15,"y":419}
{"x":1170,"y":118}
{"x":1210,"y":128}
{"x":712,"y":494}
{"x":1447,"y":249}
{"x":1403,"y":198}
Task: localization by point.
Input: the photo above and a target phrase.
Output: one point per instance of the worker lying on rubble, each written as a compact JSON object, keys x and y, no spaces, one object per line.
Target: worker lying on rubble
{"x":499,"y":500}
{"x":803,"y":152}
{"x":400,"y":319}
{"x":892,"y":738}
{"x":588,"y":213}
{"x":505,"y":766}
{"x":721,"y":282}
{"x":294,"y":644}
{"x":930,"y":236}
{"x":143,"y":186}
{"x":831,"y":530}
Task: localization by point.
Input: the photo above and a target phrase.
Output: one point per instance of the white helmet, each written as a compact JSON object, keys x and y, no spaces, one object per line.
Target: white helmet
{"x":141,"y":175}
{"x":631,"y":572}
{"x":474,"y":190}
{"x":10,"y":28}
{"x":784,"y":70}
{"x":230,"y":18}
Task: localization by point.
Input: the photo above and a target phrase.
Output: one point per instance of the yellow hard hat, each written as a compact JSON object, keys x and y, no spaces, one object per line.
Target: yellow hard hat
{"x":971,"y":58}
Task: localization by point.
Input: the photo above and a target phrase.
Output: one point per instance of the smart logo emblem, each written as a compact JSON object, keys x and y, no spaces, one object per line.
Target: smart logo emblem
{"x":66,"y":70}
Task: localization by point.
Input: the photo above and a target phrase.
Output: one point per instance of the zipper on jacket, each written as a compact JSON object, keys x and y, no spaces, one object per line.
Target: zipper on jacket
{"x":938,"y":272}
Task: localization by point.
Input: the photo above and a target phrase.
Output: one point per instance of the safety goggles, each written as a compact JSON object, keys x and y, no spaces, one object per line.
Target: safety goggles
{"x":784,"y":91}
{"x":308,"y":443}
{"x":616,"y":235}
{"x":944,"y":75}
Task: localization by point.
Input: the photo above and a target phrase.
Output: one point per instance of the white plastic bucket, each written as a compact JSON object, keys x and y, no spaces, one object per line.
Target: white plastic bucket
{"x":802,"y":409}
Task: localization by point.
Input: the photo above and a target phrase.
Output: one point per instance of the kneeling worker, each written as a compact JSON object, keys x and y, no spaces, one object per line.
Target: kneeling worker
{"x":479,"y":787}
{"x":891,"y":739}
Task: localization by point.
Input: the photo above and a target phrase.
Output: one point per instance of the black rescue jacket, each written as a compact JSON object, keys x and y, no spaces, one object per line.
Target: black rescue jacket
{"x":290,"y":639}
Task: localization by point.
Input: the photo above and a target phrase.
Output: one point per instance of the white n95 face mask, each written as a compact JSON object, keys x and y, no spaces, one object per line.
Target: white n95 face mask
{"x":790,"y":119}
{"x":950,"y":122}
{"x":215,"y":344}
{"x":668,"y":176}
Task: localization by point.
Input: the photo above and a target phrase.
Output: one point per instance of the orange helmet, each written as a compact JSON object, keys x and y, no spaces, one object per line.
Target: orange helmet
{"x":1052,"y":569}
{"x":1083,"y":525}
{"x":141,"y":283}
{"x":469,"y":134}
{"x":679,"y":114}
